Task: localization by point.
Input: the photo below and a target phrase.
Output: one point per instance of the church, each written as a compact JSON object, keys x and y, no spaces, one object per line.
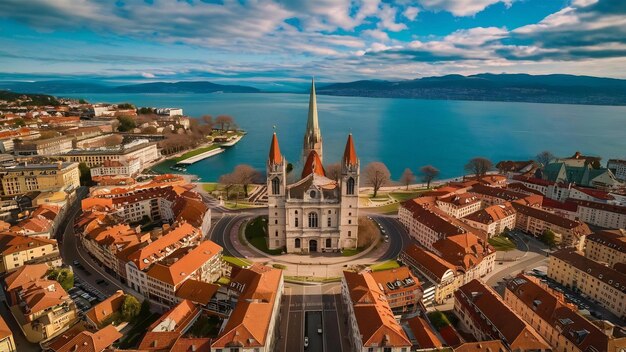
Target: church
{"x":316,"y":213}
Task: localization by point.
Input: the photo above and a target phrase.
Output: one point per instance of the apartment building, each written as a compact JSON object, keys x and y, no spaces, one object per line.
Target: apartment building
{"x":618,"y":167}
{"x":142,"y":150}
{"x":459,"y":205}
{"x":603,"y":284}
{"x":493,"y":220}
{"x":373,"y":327}
{"x":401,"y":287}
{"x":124,"y":168}
{"x":40,"y":306}
{"x":202,"y":262}
{"x":425,"y":224}
{"x":163,"y":334}
{"x":556,"y":321}
{"x":99,"y":313}
{"x":28,"y":177}
{"x":19,"y":250}
{"x":600,"y":214}
{"x":50,"y":146}
{"x":568,"y":233}
{"x":608,"y":246}
{"x":78,"y":339}
{"x":495,"y":195}
{"x":482,"y":312}
{"x":7,"y":343}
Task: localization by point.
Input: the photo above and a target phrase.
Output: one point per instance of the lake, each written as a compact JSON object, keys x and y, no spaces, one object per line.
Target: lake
{"x":402,"y":133}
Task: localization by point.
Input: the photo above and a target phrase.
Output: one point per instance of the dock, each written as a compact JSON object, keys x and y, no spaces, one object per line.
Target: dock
{"x":202,"y":156}
{"x":231,"y":142}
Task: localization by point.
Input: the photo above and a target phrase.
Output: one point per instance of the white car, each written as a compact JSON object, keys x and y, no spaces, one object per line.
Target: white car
{"x":306,"y":342}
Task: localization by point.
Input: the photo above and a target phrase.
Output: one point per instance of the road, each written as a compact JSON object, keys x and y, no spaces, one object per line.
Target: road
{"x":398,"y":235}
{"x":304,"y":309}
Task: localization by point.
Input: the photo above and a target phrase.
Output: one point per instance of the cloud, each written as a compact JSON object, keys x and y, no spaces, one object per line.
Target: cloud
{"x":460,"y":7}
{"x":411,"y":12}
{"x":387,"y":19}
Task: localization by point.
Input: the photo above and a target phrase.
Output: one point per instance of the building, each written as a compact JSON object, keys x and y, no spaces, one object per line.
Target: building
{"x":493,"y":220}
{"x":18,"y":250}
{"x":603,"y":284}
{"x":141,"y":149}
{"x":258,"y":292}
{"x":7,"y":343}
{"x":373,"y":327}
{"x":401,"y":287}
{"x":202,"y":262}
{"x":40,"y":306}
{"x":125,"y":168}
{"x":99,"y":313}
{"x":492,"y":346}
{"x":425,"y":224}
{"x":557,"y":322}
{"x":618,"y":168}
{"x":568,"y":233}
{"x":170,"y":327}
{"x":459,"y":205}
{"x":78,"y":339}
{"x":600,"y":214}
{"x":169,"y":111}
{"x":316,"y":213}
{"x":25,"y":177}
{"x":584,"y":175}
{"x":50,"y":146}
{"x":495,"y":195}
{"x":482,"y":312}
{"x":608,"y":246}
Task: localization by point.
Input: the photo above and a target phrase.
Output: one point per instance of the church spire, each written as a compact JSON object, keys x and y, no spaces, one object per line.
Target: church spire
{"x":313,"y":135}
{"x":275,"y":157}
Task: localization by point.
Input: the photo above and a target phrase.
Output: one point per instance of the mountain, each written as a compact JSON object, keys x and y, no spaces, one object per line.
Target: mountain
{"x":565,"y":89}
{"x":35,"y":99}
{"x":184,"y":87}
{"x":85,"y":86}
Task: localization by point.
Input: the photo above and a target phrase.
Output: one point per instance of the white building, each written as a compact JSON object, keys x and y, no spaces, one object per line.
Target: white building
{"x":493,"y":220}
{"x":459,"y":205}
{"x":170,"y":111}
{"x":128,"y":168}
{"x":618,"y":167}
{"x":141,"y":149}
{"x":316,"y":213}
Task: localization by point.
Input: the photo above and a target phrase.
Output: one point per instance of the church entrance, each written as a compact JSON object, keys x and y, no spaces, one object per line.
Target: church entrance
{"x":312,"y":246}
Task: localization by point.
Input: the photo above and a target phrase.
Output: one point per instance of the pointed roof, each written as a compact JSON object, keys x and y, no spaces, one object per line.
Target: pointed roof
{"x":312,"y":165}
{"x":275,"y":157}
{"x":312,"y":122}
{"x":349,"y":154}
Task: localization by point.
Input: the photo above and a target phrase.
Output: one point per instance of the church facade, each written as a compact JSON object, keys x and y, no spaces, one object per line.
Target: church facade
{"x":316,"y":213}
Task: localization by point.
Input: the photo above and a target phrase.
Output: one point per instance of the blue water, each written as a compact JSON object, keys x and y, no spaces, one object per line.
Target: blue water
{"x":399,"y":132}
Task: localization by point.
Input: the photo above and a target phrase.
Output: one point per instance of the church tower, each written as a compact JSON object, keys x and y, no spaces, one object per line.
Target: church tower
{"x":350,"y":172}
{"x":313,"y":135}
{"x":276,"y":195}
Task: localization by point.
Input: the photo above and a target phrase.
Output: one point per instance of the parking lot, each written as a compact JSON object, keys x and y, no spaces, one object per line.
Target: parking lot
{"x":84,"y":295}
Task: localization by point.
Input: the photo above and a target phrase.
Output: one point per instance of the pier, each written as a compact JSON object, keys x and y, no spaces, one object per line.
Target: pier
{"x":202,"y":156}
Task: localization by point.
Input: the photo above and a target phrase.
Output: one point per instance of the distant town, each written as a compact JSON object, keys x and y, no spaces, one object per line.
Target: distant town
{"x":107,"y":243}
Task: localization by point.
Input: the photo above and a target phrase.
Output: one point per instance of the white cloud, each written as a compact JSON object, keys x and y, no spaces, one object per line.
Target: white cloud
{"x":460,"y":7}
{"x":147,"y":75}
{"x":411,"y":12}
{"x":387,"y":19}
{"x":376,"y":34}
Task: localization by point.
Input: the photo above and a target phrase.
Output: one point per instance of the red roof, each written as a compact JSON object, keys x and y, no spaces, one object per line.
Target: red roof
{"x":275,"y":157}
{"x":312,"y":165}
{"x":349,"y":154}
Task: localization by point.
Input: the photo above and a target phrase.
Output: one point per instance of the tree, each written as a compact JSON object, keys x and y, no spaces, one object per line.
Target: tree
{"x":82,"y":101}
{"x":208,"y":120}
{"x":85,"y":174}
{"x":429,"y":173}
{"x":127,"y":123}
{"x":228,"y":182}
{"x":149,"y":130}
{"x":407,"y":178}
{"x":65,"y":277}
{"x":479,"y":167}
{"x":145,"y":111}
{"x":544,"y":158}
{"x":548,"y":237}
{"x":333,"y":171}
{"x":224,"y":121}
{"x":19,"y":122}
{"x":244,"y":175}
{"x":130,"y":308}
{"x":377,"y":175}
{"x":289,"y":167}
{"x":125,"y":106}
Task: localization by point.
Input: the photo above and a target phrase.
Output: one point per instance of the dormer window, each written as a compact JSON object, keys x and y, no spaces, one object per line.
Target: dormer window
{"x":312,"y":194}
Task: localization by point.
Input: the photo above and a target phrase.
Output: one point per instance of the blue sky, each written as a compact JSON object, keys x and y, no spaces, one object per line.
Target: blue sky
{"x":288,"y":41}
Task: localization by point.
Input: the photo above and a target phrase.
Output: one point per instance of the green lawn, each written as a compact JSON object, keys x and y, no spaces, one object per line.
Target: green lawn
{"x":402,"y":196}
{"x":256,"y":231}
{"x":502,"y":243}
{"x":223,"y":281}
{"x":240,"y":262}
{"x":210,"y":187}
{"x":385,"y":209}
{"x":195,"y":152}
{"x":205,"y":327}
{"x":390,"y":264}
{"x":131,"y":339}
{"x":438,"y":319}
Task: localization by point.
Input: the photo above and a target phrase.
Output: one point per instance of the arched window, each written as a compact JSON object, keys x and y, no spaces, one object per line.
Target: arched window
{"x":329,"y":243}
{"x":295,"y":222}
{"x":276,"y":233}
{"x":313,"y":220}
{"x":297,"y":243}
{"x":275,"y":185}
{"x":350,"y":186}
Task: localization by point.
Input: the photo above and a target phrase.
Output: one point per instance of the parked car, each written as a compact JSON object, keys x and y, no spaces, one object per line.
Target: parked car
{"x":319,"y":329}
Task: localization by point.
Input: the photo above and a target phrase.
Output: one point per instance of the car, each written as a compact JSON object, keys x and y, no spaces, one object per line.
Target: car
{"x":386,"y":239}
{"x":76,"y":262}
{"x":306,"y":342}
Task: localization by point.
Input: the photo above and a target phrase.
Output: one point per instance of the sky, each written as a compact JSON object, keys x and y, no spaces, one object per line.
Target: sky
{"x":288,"y":41}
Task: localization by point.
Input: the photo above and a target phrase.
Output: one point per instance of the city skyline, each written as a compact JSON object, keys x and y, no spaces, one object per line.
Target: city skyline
{"x":285,"y":42}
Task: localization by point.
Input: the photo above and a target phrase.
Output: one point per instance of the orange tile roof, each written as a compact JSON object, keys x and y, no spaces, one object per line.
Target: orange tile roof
{"x":464,"y":250}
{"x":435,"y":266}
{"x":164,"y":332}
{"x":431,"y":219}
{"x":43,"y":294}
{"x":178,"y":271}
{"x":249,"y":323}
{"x":518,"y":334}
{"x":197,"y":291}
{"x":551,"y":218}
{"x":349,"y":154}
{"x":25,"y":274}
{"x":608,"y":275}
{"x":186,"y":344}
{"x":481,"y":346}
{"x":313,"y":164}
{"x":10,"y":243}
{"x":492,"y":214}
{"x":5,"y":331}
{"x":376,"y":322}
{"x":145,"y":256}
{"x":101,"y":311}
{"x":79,"y":340}
{"x":425,"y":336}
{"x":615,"y":239}
{"x":275,"y":157}
{"x":391,"y":275}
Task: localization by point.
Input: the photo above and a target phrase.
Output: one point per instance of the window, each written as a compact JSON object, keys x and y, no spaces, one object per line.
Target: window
{"x":275,"y":185}
{"x":297,"y":243}
{"x":295,"y":222}
{"x":276,"y":222}
{"x":313,"y":220}
{"x":330,"y":222}
{"x":349,"y":233}
{"x":350,"y":189}
{"x":312,"y":194}
{"x":329,"y":243}
{"x":276,"y":233}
